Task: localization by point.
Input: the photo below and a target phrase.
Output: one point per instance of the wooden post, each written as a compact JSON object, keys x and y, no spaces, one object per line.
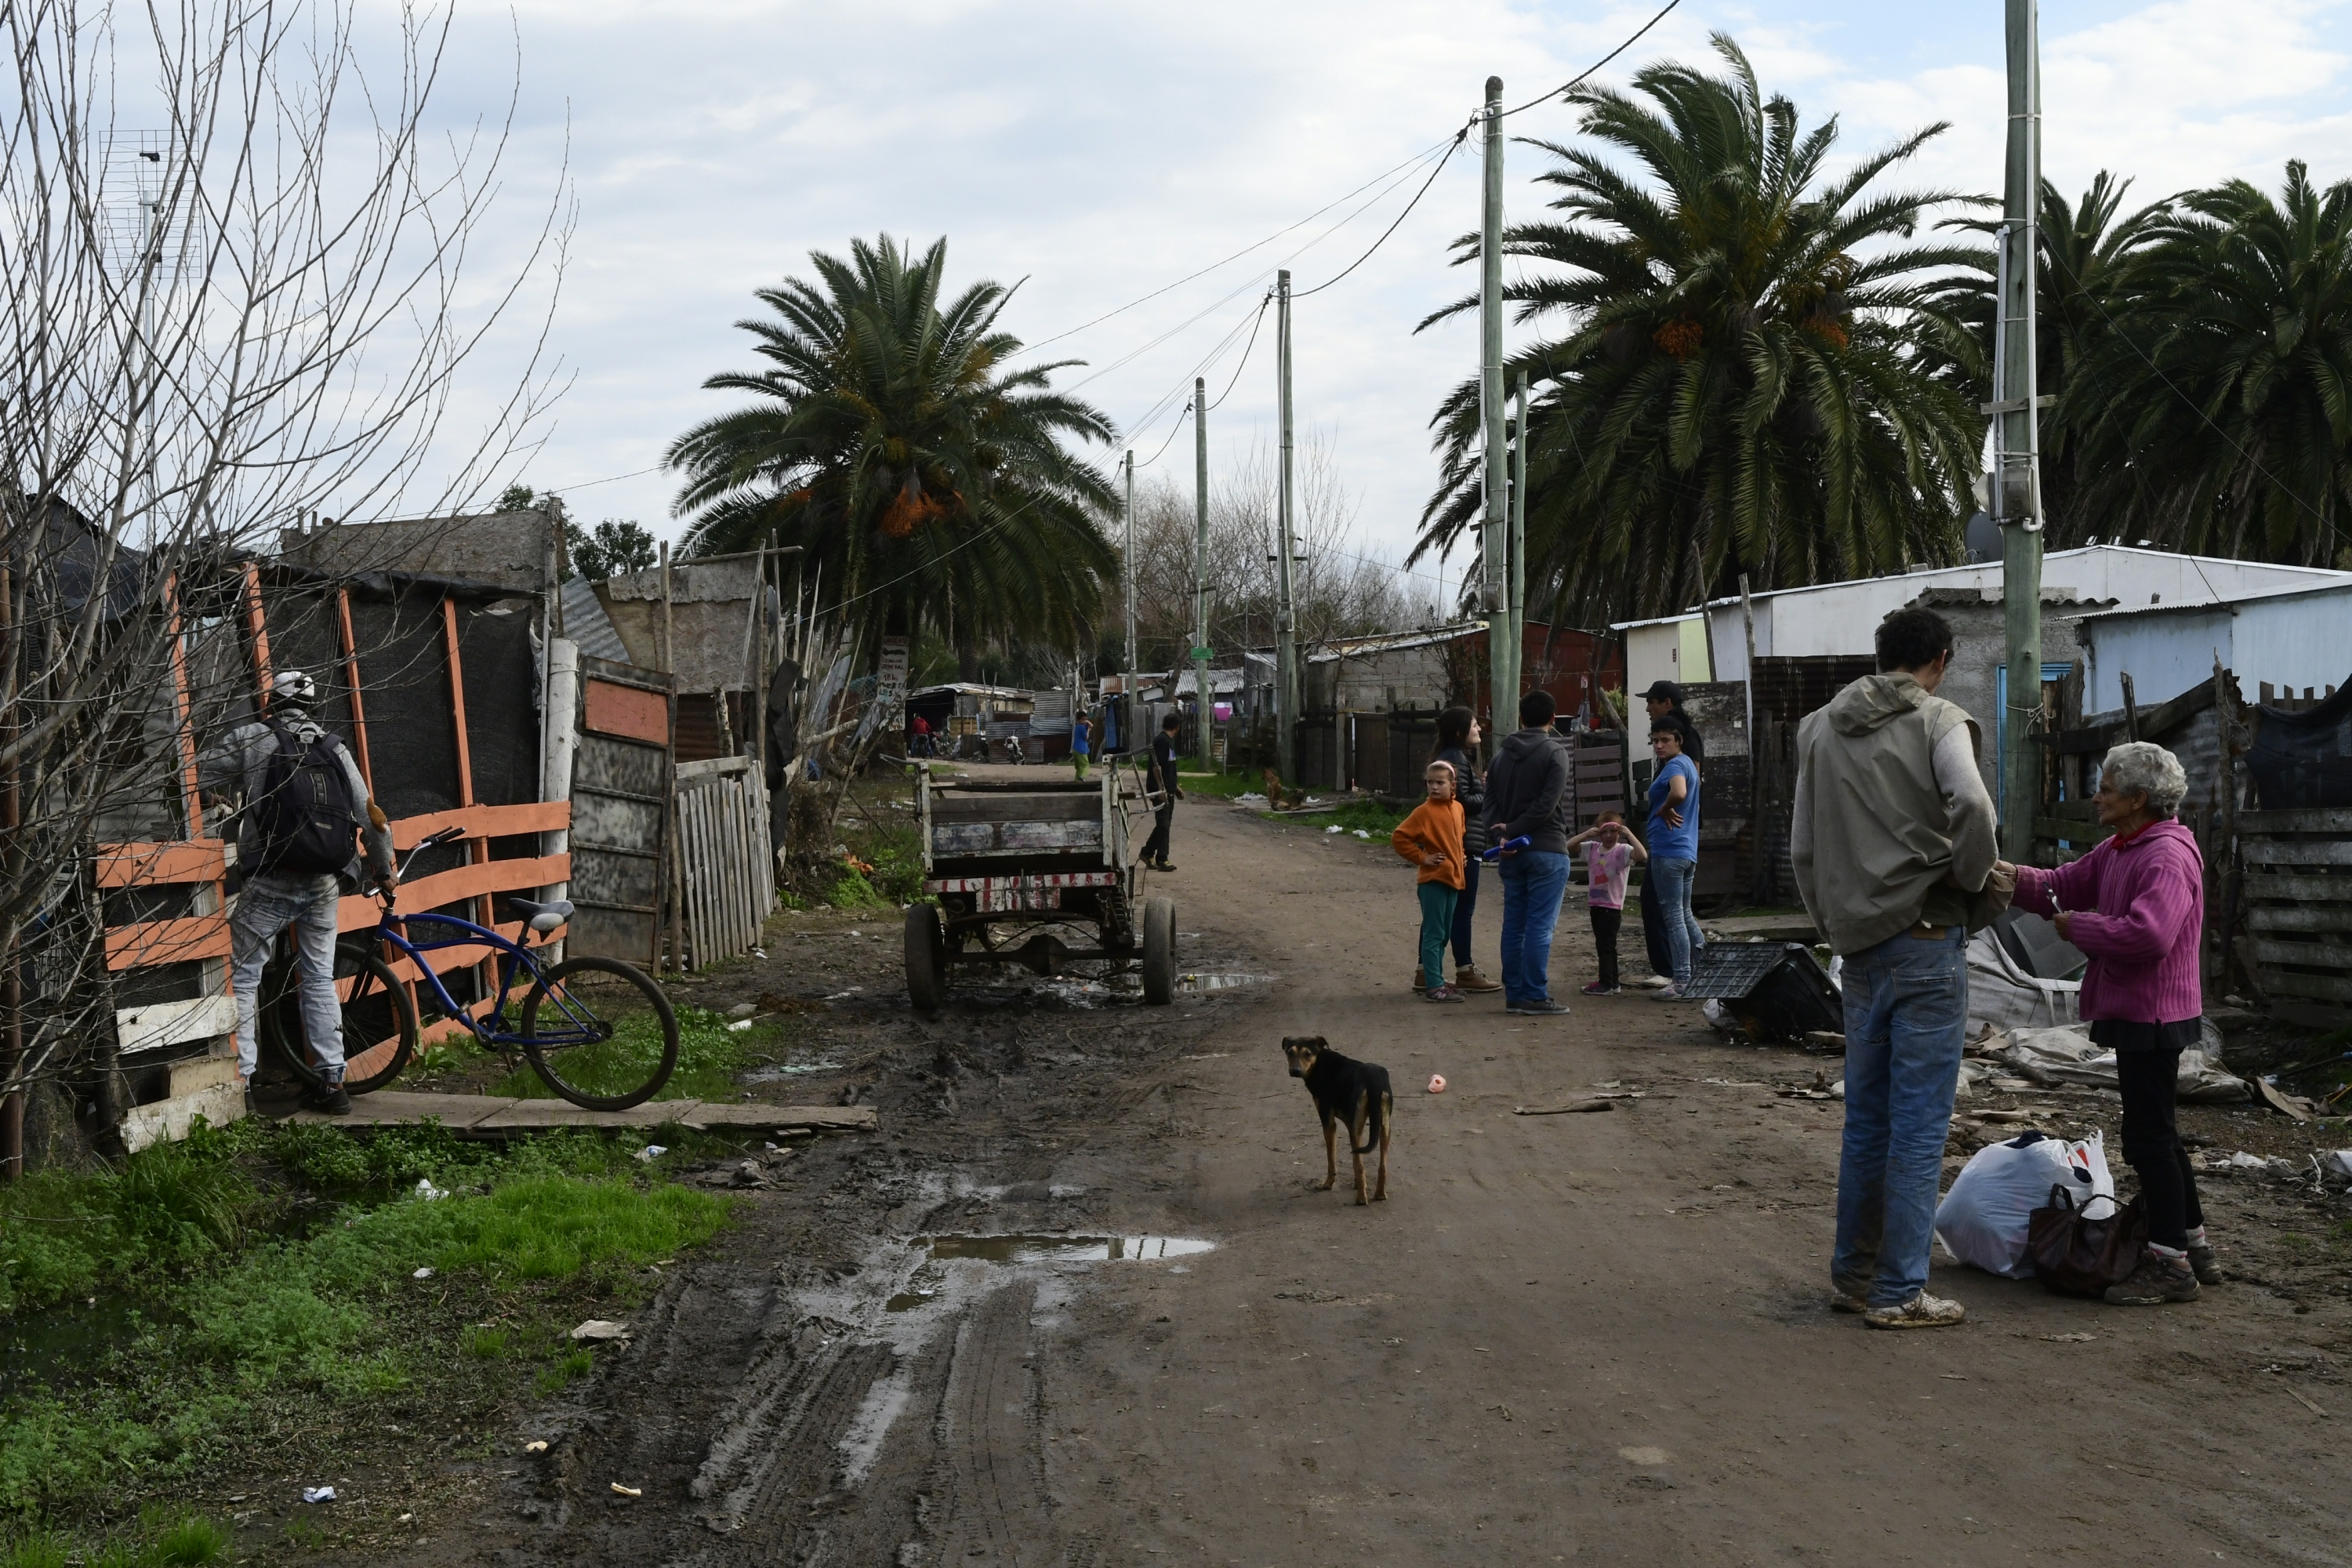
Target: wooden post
{"x":12,"y":988}
{"x":2131,"y":709}
{"x":260,"y":629}
{"x":477,"y":848}
{"x":351,"y":679}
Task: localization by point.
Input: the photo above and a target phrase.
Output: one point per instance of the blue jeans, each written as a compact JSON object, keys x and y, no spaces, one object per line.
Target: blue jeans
{"x":1683,"y":940}
{"x":1907,"y":1005}
{"x":1533,"y":882}
{"x":267,"y":905}
{"x":1462,"y":911}
{"x":1437,"y":901}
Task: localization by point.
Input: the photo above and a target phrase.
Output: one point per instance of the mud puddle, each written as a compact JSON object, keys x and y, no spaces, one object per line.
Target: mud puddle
{"x":1195,"y":984}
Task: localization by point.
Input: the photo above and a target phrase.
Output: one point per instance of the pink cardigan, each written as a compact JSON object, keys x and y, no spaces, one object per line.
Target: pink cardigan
{"x":2139,"y":915}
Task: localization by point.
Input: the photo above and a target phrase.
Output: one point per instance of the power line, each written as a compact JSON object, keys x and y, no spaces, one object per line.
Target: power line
{"x":1255,"y":322}
{"x":1459,"y":137}
{"x":1578,"y":80}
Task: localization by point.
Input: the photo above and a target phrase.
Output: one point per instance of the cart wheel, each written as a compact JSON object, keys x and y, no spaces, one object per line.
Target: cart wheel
{"x":1159,"y":951}
{"x":927,"y":958}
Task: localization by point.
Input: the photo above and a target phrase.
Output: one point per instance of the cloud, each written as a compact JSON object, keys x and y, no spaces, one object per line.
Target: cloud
{"x":1097,"y":152}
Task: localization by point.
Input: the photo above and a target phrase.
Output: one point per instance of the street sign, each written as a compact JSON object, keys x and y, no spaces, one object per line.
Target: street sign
{"x":1202,"y":653}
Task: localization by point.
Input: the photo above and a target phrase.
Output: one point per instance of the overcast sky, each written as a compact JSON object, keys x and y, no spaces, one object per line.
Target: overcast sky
{"x":1097,"y":152}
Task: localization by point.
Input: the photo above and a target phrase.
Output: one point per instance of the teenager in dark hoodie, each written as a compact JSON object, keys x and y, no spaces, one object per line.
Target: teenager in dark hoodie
{"x":1527,"y":798}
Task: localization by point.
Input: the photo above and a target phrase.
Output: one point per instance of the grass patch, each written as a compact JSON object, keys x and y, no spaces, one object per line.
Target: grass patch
{"x":157,"y":1541}
{"x":709,"y":1055}
{"x":1222,"y":786}
{"x":268,"y":1326}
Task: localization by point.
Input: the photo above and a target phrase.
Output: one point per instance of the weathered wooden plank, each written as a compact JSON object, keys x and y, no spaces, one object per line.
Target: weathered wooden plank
{"x":2301,"y":917}
{"x":484,"y":821}
{"x":491,"y":1115}
{"x":167,"y":942}
{"x":161,"y":1024}
{"x":2303,"y":889}
{"x":2305,"y":954}
{"x":2319,"y":987}
{"x":2294,"y":852}
{"x":150,"y":865}
{"x":2331,"y":819}
{"x":708,"y":1114}
{"x":1000,"y":806}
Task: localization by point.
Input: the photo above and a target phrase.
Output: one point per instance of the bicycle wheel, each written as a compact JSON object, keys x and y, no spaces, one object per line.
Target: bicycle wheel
{"x":585,"y":1048}
{"x":379,"y":1022}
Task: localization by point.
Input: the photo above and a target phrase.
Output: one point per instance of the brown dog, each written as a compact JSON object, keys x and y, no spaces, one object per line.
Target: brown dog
{"x":1348,"y":1092}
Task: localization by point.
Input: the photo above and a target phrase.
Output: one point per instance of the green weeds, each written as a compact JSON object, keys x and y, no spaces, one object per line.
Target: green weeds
{"x":1367,"y":815}
{"x":709,"y":1055}
{"x":186,"y":1542}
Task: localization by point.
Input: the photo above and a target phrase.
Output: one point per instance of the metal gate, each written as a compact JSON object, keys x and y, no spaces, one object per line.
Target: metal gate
{"x":622,"y":781}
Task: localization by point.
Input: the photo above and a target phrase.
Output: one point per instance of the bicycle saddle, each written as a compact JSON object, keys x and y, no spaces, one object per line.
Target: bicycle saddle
{"x":544,"y":918}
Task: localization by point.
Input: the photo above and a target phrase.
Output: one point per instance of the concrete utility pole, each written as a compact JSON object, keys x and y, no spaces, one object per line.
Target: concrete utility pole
{"x":1203,"y":699}
{"x":1128,"y":716}
{"x":1518,"y":552}
{"x":2017,"y":453}
{"x":1495,"y":545}
{"x":1285,"y":610}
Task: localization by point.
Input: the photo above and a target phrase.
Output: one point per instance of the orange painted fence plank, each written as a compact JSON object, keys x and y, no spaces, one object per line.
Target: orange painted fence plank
{"x":361,"y":912}
{"x":484,"y":821}
{"x":167,"y":942}
{"x":148,"y":865}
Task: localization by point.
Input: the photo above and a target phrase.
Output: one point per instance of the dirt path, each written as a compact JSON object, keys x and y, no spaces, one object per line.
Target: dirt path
{"x":1563,"y":1338}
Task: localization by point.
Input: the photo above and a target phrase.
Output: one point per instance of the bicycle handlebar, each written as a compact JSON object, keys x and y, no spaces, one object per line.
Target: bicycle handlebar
{"x":400,"y":868}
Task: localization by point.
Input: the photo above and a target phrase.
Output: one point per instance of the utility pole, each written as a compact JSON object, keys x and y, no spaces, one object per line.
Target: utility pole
{"x":1495,"y":545}
{"x":1203,"y":699}
{"x":1286,"y":611}
{"x":1518,"y":552}
{"x":2017,"y":454}
{"x":1127,"y":718}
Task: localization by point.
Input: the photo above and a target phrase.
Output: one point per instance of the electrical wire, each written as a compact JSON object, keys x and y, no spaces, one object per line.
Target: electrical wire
{"x":1461,"y":136}
{"x":1255,"y":322}
{"x":1578,"y":80}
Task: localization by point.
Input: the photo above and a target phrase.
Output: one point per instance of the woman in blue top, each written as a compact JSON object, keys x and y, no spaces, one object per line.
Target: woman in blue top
{"x":1674,"y":851}
{"x":1079,"y":733}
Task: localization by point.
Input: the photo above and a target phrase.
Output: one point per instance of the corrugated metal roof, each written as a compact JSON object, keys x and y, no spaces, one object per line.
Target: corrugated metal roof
{"x":586,"y":624}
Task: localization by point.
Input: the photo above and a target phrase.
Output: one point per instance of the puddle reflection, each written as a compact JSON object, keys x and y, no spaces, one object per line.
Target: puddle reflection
{"x":1035,"y":1249}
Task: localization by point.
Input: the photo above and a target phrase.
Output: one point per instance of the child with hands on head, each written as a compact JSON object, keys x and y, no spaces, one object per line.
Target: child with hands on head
{"x":1610,"y":853}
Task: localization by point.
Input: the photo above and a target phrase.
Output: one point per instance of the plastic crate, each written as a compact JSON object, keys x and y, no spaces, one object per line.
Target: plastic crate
{"x":1777,"y":989}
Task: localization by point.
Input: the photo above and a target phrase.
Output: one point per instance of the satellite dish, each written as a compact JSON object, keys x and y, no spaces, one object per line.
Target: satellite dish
{"x":1982,"y":539}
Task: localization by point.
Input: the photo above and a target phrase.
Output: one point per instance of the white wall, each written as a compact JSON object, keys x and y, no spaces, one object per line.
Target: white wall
{"x":2293,"y":641}
{"x":1842,"y":617}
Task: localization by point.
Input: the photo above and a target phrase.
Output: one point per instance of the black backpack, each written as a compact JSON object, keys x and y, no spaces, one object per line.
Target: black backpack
{"x":308,"y":822}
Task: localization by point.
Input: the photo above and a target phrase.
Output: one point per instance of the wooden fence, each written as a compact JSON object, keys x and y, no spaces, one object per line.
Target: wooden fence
{"x":725,"y":875}
{"x":2298,"y":903}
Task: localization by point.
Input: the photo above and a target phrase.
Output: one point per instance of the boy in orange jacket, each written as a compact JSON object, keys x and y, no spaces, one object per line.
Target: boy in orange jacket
{"x":1432,"y":840}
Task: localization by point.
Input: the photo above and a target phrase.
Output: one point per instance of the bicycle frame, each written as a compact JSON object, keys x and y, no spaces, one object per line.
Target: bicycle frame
{"x":513,"y":960}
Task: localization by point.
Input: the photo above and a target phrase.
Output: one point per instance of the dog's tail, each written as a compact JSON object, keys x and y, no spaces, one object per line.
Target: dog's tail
{"x":1374,"y":1122}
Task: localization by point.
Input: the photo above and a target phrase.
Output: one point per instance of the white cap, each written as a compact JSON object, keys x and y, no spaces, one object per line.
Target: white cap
{"x":293,"y":686}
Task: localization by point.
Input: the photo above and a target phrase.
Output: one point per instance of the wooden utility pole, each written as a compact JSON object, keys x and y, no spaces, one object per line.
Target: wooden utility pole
{"x":1285,"y":610}
{"x":1516,"y":552}
{"x":1128,"y":718}
{"x":1494,"y":600}
{"x":2017,"y":453}
{"x":1203,"y":697}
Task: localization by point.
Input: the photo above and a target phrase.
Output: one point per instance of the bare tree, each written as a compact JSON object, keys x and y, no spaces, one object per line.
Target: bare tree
{"x":256,"y":310}
{"x":1340,"y":589}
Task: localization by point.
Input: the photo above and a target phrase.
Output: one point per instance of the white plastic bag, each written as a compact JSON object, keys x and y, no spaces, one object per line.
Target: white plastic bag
{"x":1982,"y":1220}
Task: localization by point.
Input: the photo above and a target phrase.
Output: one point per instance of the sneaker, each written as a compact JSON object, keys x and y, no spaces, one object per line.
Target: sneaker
{"x":327,"y":1100}
{"x":1647,"y":981}
{"x":1443,"y":993}
{"x":2203,"y":1263}
{"x":1921,"y":1312}
{"x":1545,"y":1008}
{"x":2157,"y":1280}
{"x":1468,"y":977}
{"x":1594,"y":988}
{"x":1667,"y":992}
{"x":1162,"y":866}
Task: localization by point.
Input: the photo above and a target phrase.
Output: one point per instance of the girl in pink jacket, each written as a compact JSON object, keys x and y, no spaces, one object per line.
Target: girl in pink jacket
{"x":2135,"y":906}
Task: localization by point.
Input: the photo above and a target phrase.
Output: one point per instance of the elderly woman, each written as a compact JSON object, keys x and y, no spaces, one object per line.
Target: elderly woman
{"x":2135,"y":906}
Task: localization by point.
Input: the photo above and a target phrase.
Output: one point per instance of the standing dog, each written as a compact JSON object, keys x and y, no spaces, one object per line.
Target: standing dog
{"x":1350,"y":1093}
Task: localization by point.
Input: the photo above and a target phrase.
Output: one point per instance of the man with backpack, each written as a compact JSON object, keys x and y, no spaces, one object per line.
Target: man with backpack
{"x":305,"y":810}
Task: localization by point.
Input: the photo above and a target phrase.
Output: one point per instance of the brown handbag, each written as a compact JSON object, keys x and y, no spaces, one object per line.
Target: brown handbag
{"x":2079,"y":1256}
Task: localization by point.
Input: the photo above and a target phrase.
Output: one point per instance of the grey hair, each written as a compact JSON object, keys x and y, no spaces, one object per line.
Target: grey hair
{"x":2143,"y":767}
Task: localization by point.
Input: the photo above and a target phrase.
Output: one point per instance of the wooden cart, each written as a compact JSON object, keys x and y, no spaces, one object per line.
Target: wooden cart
{"x":1023,"y":863}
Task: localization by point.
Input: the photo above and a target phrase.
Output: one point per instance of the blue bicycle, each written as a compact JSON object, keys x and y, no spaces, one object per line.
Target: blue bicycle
{"x":566,"y":1026}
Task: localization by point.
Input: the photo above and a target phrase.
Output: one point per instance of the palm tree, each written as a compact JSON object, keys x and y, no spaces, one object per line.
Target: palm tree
{"x":2217,"y":416}
{"x":927,"y":484}
{"x":2083,"y":251}
{"x":1739,"y":385}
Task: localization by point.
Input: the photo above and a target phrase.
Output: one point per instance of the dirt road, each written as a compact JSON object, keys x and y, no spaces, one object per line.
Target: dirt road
{"x":1581,"y":1338}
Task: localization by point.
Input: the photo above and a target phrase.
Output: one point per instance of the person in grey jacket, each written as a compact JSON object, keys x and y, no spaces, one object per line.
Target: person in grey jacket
{"x":1527,"y":798}
{"x":272,"y":898}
